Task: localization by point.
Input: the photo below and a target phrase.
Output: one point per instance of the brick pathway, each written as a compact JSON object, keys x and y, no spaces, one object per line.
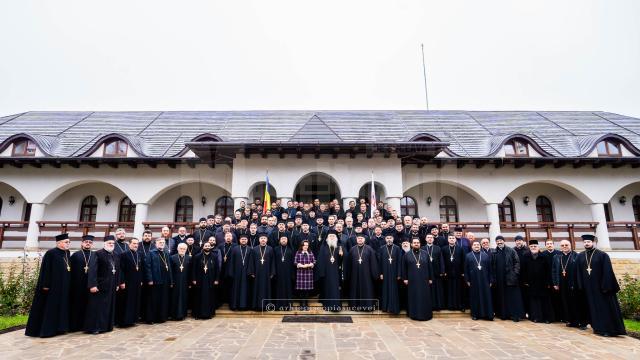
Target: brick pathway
{"x":367,"y":338}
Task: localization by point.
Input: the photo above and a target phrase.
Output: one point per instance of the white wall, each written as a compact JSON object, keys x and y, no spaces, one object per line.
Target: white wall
{"x":11,"y":212}
{"x":469,"y":208}
{"x":67,"y":205}
{"x":624,"y":212}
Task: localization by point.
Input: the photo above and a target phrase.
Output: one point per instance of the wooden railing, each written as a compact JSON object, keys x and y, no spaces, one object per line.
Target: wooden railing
{"x":12,"y":226}
{"x":549,"y":228}
{"x":84,"y":227}
{"x":616,"y":227}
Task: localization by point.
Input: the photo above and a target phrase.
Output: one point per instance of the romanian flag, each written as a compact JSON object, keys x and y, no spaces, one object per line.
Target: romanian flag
{"x":266,"y":204}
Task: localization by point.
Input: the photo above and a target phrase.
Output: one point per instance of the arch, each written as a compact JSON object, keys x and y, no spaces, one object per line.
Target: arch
{"x":455,"y":184}
{"x":317,"y":187}
{"x":424,"y":137}
{"x":613,"y":138}
{"x":110,"y":137}
{"x":9,"y":211}
{"x":408,"y":206}
{"x":88,"y":209}
{"x":206,"y":137}
{"x":60,"y":190}
{"x":448,"y":209}
{"x":184,"y":209}
{"x":224,"y":206}
{"x":570,"y":188}
{"x":168,"y":187}
{"x":497,"y":146}
{"x":365,"y":191}
{"x":257,"y":191}
{"x":126,"y":210}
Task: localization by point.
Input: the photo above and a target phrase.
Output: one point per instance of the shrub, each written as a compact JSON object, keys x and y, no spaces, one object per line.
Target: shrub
{"x":629,"y":297}
{"x":17,"y":286}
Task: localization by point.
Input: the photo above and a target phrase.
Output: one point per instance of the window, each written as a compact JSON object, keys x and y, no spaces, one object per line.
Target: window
{"x":609,"y":148}
{"x":116,"y":148}
{"x":184,"y":210}
{"x":448,"y":209}
{"x":126,"y":210}
{"x":544,"y":209}
{"x":516,"y":148}
{"x":88,"y":209}
{"x":636,"y":207}
{"x":224,"y":206}
{"x":24,"y":148}
{"x":408,"y":206}
{"x":506,"y":211}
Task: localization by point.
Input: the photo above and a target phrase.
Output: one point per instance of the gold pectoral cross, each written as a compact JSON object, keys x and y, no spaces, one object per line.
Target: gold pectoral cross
{"x":205,"y":269}
{"x":262,"y":261}
{"x":589,"y":271}
{"x":68,"y":268}
{"x":390,"y":260}
{"x":418,"y":265}
{"x":360,"y":261}
{"x":564,"y":273}
{"x":86,"y":269}
{"x":181,"y":267}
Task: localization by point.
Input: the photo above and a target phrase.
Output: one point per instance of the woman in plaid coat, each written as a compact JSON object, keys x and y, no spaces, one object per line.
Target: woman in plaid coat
{"x":304,"y":262}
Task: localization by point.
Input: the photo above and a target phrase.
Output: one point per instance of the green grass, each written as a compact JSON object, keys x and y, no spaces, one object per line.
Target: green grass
{"x":10,"y":321}
{"x":632,"y":325}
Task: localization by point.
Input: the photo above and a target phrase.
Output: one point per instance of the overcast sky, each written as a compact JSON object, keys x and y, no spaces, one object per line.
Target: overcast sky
{"x":320,"y":55}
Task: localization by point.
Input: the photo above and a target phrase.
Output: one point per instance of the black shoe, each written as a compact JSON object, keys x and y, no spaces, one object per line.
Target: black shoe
{"x":582,"y":327}
{"x":474,"y":318}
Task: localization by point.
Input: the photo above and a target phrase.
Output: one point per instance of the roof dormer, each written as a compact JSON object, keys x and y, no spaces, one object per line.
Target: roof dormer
{"x":611,"y":145}
{"x":21,"y":145}
{"x":114,"y":146}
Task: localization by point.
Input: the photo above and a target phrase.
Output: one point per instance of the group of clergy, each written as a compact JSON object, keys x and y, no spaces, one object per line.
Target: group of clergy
{"x":256,"y":264}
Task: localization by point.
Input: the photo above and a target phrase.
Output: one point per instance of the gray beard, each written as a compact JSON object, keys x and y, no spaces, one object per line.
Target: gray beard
{"x":332,"y":242}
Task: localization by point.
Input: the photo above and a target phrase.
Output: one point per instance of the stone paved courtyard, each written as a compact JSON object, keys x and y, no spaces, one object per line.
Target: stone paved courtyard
{"x":367,"y":338}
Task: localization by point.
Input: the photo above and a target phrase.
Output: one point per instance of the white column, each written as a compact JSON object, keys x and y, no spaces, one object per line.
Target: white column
{"x":33,"y":231}
{"x":394,"y":201}
{"x":345,"y":202}
{"x":142,"y":213}
{"x":493,"y":217}
{"x":602,"y":232}
{"x":238,"y":200}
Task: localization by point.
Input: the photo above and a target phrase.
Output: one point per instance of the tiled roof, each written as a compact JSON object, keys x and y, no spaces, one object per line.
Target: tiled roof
{"x":469,"y":133}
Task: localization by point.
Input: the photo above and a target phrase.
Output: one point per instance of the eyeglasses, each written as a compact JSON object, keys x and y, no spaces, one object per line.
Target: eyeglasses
{"x":564,"y":245}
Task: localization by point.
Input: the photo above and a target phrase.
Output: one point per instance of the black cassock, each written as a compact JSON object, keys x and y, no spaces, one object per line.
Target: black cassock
{"x":181,"y":274}
{"x":237,"y":276}
{"x":454,"y":281}
{"x":157,"y":270}
{"x":79,"y":292}
{"x":477,"y":271}
{"x":507,"y":297}
{"x":361,"y":271}
{"x":101,"y":307}
{"x":329,"y":274}
{"x":437,"y":270}
{"x":564,"y":275}
{"x":391,"y":271}
{"x":600,"y":288}
{"x":416,"y":269}
{"x":556,"y":302}
{"x":262,"y":270}
{"x":146,"y":314}
{"x":536,"y":275}
{"x":206,"y":272}
{"x":224,"y":284}
{"x":49,"y":314}
{"x":285,"y":277}
{"x":131,"y":270}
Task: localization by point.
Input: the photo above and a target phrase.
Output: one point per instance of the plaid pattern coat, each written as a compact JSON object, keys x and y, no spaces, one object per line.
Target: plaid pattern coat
{"x":304,"y":277}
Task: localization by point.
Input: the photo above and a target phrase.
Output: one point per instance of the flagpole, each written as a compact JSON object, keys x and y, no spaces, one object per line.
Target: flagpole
{"x":424,"y":73}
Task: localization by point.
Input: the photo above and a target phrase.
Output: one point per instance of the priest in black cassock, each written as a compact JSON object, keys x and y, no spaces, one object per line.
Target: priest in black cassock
{"x":437,"y":270}
{"x":225,"y":285}
{"x":144,"y":248}
{"x":237,"y":275}
{"x":285,"y":274}
{"x":262,"y":270}
{"x":103,"y":282}
{"x":536,"y":274}
{"x":361,"y":271}
{"x":206,"y":275}
{"x":328,"y":270}
{"x":598,"y":281}
{"x":564,"y":275}
{"x":390,"y":265}
{"x":507,"y":296}
{"x":49,"y":314}
{"x":550,"y":252}
{"x":79,"y":296}
{"x":131,"y":274}
{"x":480,"y":279}
{"x":453,"y":256}
{"x":416,"y":274}
{"x":181,"y":274}
{"x":158,"y":276}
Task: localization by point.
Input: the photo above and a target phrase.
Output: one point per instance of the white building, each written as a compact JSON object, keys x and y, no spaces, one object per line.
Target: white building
{"x":557,"y":174}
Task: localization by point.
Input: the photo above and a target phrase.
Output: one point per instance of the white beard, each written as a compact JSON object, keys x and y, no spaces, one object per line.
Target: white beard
{"x":332,"y":242}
